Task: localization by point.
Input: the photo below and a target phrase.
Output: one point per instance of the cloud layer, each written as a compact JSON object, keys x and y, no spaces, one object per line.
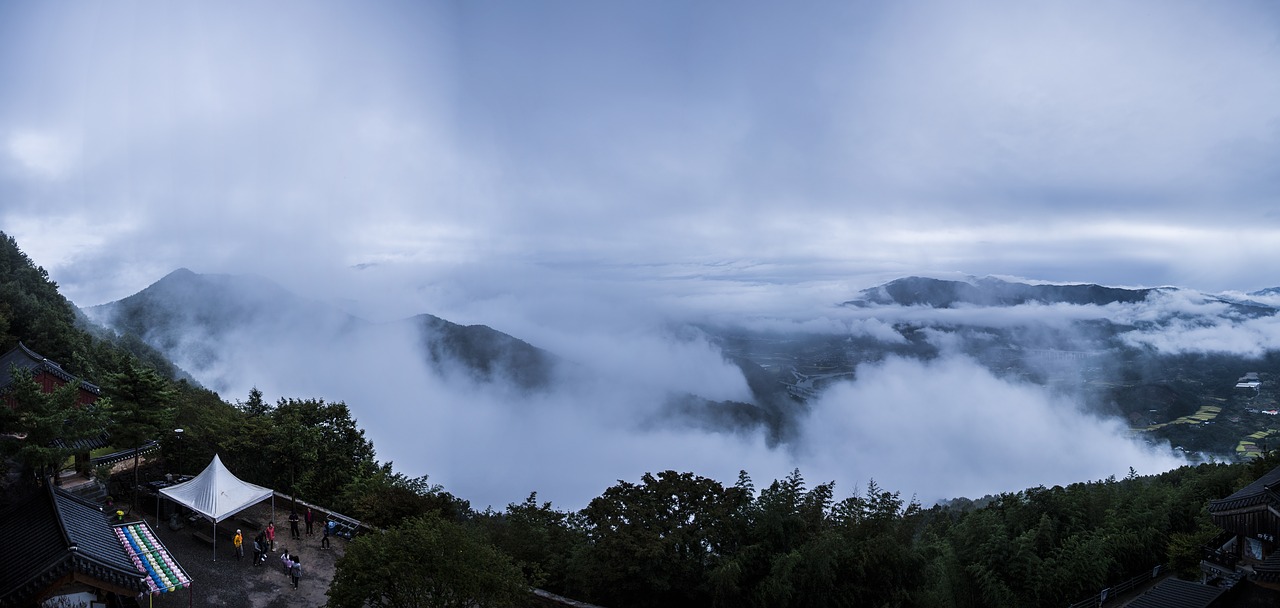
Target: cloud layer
{"x":950,"y":428}
{"x":937,"y":429}
{"x":940,"y":428}
{"x":1122,"y":144}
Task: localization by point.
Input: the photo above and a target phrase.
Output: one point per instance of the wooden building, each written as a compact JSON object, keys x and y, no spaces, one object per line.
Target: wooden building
{"x":1250,"y":519}
{"x":57,"y":544}
{"x":50,"y":376}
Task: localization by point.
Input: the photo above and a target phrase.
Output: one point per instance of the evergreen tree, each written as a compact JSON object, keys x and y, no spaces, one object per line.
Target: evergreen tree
{"x":32,"y":309}
{"x":653,"y":543}
{"x":45,"y":423}
{"x":140,"y":409}
{"x":426,"y":562}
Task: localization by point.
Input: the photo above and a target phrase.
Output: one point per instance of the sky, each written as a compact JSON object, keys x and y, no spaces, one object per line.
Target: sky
{"x":458,"y":150}
{"x":564,"y":170}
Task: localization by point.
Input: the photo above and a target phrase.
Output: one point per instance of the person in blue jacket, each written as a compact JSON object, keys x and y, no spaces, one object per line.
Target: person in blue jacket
{"x":328,"y":529}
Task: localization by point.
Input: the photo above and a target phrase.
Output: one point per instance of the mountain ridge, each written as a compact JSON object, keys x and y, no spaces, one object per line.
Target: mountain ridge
{"x":990,"y":291}
{"x":188,"y":315}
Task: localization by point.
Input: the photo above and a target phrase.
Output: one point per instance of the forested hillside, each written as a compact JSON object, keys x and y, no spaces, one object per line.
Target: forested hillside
{"x":680,"y":540}
{"x":668,"y":539}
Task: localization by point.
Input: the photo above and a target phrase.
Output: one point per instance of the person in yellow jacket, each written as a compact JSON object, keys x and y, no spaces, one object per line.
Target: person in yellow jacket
{"x":238,"y":541}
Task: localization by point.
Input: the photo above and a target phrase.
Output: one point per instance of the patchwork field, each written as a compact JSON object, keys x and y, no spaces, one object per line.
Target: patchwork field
{"x":1249,"y":447}
{"x":1206,"y":413}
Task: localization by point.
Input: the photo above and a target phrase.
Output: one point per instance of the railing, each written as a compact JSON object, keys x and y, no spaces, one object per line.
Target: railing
{"x":1225,"y":559}
{"x":344,"y":526}
{"x":551,"y":600}
{"x":1111,"y":593}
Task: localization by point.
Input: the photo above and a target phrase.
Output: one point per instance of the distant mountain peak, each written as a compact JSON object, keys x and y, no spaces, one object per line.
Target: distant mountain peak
{"x":485,"y":352}
{"x":989,"y":291}
{"x":193,"y":318}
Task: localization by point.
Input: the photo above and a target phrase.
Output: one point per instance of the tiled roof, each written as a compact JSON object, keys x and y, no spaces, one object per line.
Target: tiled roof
{"x":90,"y":530}
{"x":34,"y":544}
{"x":25,"y":358}
{"x":1177,"y":593}
{"x":1268,"y":569}
{"x":52,"y":534}
{"x":1259,"y":492}
{"x":101,"y":440}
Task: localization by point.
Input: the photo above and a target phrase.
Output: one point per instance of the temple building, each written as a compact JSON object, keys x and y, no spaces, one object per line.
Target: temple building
{"x":50,"y":376}
{"x":1250,"y":520}
{"x":64,"y":550}
{"x":57,"y":544}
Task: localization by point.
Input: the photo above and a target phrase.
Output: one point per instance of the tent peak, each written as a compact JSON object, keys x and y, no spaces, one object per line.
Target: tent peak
{"x":216,"y":492}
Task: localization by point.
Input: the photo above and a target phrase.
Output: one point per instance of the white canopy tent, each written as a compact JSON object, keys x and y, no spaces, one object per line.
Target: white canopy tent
{"x":217,"y":494}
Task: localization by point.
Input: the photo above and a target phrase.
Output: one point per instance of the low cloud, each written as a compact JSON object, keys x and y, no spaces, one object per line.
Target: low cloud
{"x":491,"y":443}
{"x":1251,"y":338}
{"x":936,"y":429}
{"x":950,"y":428}
{"x":1182,"y":321}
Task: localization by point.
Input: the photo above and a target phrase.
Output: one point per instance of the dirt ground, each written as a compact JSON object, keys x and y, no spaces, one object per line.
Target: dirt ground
{"x":232,"y":582}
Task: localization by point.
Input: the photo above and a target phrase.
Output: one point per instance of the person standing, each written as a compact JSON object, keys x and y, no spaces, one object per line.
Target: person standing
{"x":325,"y":530}
{"x":296,"y":572}
{"x":261,"y":540}
{"x":238,"y":541}
{"x":293,"y":525}
{"x":271,"y":537}
{"x":310,"y":520}
{"x":257,"y":549}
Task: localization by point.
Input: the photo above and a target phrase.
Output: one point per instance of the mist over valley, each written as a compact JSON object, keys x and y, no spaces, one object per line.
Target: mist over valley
{"x":938,"y":387}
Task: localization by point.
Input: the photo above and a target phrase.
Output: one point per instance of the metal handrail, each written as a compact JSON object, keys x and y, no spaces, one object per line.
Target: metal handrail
{"x":1110,"y":593}
{"x":347,"y":527}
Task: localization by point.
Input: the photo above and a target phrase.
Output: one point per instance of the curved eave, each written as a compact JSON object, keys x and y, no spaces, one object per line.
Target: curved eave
{"x":1254,"y":496}
{"x":79,"y":568}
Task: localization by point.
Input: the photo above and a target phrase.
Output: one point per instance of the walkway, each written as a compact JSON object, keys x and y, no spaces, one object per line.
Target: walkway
{"x":228,"y":582}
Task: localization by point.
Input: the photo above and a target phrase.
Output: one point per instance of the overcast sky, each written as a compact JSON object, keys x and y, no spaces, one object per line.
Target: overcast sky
{"x":575,"y":173}
{"x":466,"y":151}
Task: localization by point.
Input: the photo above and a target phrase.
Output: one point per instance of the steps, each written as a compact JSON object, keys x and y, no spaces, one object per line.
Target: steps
{"x":88,"y":489}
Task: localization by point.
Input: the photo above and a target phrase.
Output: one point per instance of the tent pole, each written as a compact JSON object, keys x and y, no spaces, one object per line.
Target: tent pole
{"x":215,"y":540}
